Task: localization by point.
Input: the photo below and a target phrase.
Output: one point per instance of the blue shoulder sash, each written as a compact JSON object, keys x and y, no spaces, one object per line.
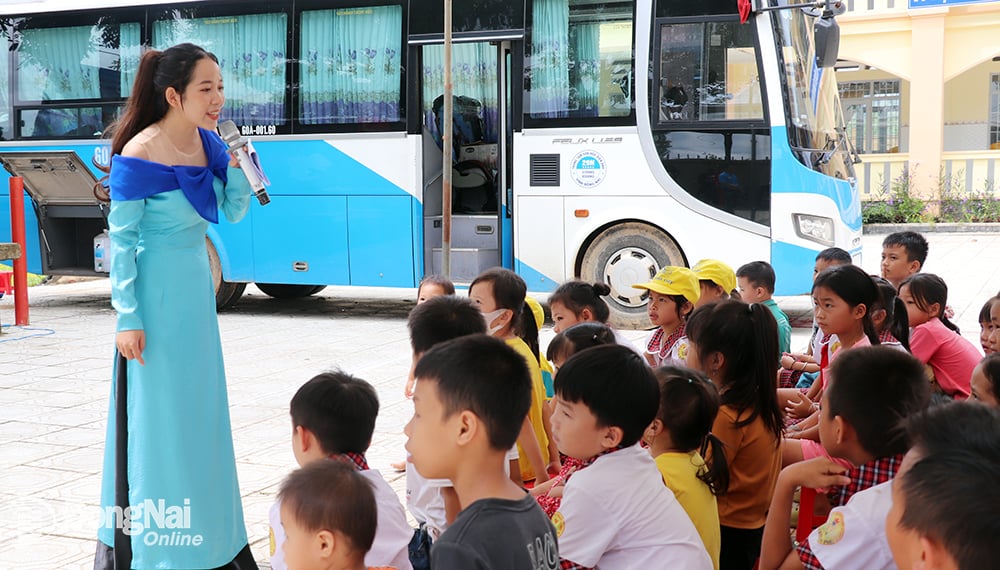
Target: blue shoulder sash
{"x":136,"y":179}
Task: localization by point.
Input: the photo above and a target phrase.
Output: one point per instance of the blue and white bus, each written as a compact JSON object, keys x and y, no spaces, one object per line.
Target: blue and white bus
{"x":599,"y":139}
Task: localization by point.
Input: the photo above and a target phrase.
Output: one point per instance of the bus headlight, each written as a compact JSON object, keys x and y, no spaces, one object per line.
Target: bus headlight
{"x":814,"y":228}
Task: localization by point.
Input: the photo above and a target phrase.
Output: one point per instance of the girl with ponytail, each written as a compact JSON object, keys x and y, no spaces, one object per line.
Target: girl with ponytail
{"x":169,"y":440}
{"x":679,"y":439}
{"x":736,"y":346}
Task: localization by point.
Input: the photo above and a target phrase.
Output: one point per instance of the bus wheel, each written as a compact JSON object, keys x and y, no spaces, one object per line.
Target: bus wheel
{"x":226,"y":293}
{"x":621,"y":256}
{"x":289,"y":291}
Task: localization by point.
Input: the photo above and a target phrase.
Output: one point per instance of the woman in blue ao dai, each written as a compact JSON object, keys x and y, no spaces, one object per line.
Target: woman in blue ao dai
{"x":169,"y":455}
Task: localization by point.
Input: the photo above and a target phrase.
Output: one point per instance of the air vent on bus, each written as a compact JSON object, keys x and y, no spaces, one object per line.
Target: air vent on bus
{"x":544,"y":170}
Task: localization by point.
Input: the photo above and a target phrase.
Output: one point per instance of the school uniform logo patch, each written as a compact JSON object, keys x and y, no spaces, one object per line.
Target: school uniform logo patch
{"x":682,"y":351}
{"x":559,"y":522}
{"x":832,"y":531}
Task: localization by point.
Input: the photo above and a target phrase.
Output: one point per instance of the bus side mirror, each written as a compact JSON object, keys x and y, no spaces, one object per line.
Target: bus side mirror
{"x":826,"y":35}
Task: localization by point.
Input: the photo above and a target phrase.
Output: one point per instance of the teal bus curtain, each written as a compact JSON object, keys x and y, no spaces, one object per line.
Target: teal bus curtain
{"x":586,"y":72}
{"x":474,"y":75}
{"x":58,"y":64}
{"x":129,"y":51}
{"x":350,"y":65}
{"x":549,"y":71}
{"x":251,"y":52}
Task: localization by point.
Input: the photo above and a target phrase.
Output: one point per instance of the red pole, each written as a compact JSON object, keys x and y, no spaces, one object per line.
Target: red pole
{"x":21,"y":263}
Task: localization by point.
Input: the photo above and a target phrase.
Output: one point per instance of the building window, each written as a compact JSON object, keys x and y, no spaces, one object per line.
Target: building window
{"x":995,"y":111}
{"x":872,"y":114}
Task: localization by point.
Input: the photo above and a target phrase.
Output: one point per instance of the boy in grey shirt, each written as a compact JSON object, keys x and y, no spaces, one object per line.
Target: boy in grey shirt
{"x":471,"y":397}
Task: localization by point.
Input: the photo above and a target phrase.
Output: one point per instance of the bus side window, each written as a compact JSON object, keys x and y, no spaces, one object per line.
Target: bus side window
{"x":578,"y":63}
{"x":709,"y":128}
{"x":708,"y":72}
{"x":69,"y":76}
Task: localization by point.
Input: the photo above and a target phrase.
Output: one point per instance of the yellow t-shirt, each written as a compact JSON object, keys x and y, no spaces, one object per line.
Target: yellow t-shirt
{"x":680,"y":473}
{"x":535,"y":411}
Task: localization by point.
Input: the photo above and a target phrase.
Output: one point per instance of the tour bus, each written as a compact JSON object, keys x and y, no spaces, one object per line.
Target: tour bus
{"x":593,"y":139}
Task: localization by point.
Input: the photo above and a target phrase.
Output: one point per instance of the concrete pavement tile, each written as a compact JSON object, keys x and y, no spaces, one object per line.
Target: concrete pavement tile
{"x":45,"y":552}
{"x":20,"y":430}
{"x":30,"y":452}
{"x":254,"y":478}
{"x":82,"y":460}
{"x":22,"y":480}
{"x":83,"y":436}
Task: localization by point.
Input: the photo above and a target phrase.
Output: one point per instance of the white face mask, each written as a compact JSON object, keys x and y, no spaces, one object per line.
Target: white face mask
{"x":492,"y":316}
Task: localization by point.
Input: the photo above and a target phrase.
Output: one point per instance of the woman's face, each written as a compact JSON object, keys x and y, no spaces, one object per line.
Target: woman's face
{"x":203,"y":98}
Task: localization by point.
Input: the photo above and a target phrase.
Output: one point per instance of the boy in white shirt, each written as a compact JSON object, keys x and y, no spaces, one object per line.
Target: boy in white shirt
{"x":616,"y":512}
{"x":333,"y":416}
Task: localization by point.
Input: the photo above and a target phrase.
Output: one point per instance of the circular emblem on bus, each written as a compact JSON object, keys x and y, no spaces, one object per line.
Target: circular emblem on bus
{"x":588,"y":169}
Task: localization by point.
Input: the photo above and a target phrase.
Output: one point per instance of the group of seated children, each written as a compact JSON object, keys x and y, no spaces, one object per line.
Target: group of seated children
{"x":684,"y":455}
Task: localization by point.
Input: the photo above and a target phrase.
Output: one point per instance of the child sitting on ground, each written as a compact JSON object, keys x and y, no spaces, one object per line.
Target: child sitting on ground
{"x":564,"y":345}
{"x":903,"y":255}
{"x":333,"y":416}
{"x":986,"y":326}
{"x":433,"y":502}
{"x":945,"y":498}
{"x":679,"y":437}
{"x":871,"y":390}
{"x":329,"y":515}
{"x":430,"y":286}
{"x":716,"y":280}
{"x":736,"y":346}
{"x":673,"y":293}
{"x":499,"y":293}
{"x":616,"y":512}
{"x":986,"y":381}
{"x":470,"y":401}
{"x":755,"y":281}
{"x":576,"y":302}
{"x":801,"y":370}
{"x":934,"y":340}
{"x":890,"y":317}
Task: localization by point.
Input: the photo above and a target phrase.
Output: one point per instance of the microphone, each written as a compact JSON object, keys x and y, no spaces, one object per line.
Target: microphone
{"x":249,"y":162}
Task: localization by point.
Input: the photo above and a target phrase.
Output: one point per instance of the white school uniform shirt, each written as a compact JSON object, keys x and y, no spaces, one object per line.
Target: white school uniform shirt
{"x":854,"y":534}
{"x":617,"y":513}
{"x":424,"y":499}
{"x":624,"y":341}
{"x":392,"y":535}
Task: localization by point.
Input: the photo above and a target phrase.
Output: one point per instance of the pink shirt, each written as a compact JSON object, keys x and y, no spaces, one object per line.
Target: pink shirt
{"x":950,"y":356}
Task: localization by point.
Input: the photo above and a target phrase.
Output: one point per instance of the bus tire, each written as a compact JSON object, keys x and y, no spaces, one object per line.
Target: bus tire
{"x":226,"y":292}
{"x":285,"y":291}
{"x":623,"y":255}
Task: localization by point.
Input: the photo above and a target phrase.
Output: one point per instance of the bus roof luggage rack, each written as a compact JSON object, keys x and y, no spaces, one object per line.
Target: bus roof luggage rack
{"x":61,"y":188}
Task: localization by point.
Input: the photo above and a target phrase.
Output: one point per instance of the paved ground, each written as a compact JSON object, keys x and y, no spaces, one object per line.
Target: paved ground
{"x":54,"y":387}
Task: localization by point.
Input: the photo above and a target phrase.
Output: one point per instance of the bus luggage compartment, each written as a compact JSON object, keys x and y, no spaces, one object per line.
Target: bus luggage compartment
{"x":70,"y":216}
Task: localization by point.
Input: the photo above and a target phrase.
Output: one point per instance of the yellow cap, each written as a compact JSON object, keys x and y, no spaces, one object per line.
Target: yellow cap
{"x":717,"y":272}
{"x":536,"y":310}
{"x":673,"y":280}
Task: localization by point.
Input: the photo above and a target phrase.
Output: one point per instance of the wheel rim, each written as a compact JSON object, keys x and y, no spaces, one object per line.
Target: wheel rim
{"x":626,"y":267}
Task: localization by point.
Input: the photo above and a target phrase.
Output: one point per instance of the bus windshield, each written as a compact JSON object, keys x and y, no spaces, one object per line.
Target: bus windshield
{"x":815,"y":118}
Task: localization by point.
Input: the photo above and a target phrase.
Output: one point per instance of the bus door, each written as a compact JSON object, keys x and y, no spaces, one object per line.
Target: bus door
{"x":480,"y":161}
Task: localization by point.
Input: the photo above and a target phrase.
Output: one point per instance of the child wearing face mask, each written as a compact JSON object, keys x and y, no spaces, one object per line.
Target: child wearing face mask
{"x":499,"y":293}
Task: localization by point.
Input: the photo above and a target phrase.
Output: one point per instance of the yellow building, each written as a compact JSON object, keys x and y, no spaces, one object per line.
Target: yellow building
{"x":920,"y":86}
